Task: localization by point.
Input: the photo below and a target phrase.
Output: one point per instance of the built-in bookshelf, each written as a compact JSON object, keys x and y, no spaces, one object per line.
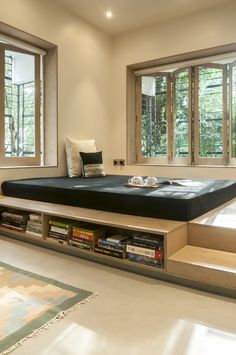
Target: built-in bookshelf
{"x":129,"y":242}
{"x":198,"y":253}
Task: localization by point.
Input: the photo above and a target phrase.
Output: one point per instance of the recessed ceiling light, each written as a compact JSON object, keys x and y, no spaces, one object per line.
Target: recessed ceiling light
{"x":109,"y":14}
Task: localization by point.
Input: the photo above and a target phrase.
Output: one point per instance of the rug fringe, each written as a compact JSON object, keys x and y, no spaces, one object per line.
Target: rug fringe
{"x":45,"y":326}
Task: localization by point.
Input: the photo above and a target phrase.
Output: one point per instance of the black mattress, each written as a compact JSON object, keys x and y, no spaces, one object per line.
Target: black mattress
{"x":180,"y":200}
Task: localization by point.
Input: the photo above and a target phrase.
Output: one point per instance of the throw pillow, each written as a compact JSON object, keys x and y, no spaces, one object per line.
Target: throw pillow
{"x":73,"y":147}
{"x":92,"y":164}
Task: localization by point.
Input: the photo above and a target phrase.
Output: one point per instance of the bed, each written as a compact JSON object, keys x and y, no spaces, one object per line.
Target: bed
{"x":181,"y":200}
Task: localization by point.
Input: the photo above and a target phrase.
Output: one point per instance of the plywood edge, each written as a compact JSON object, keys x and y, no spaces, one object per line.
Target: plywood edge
{"x":151,"y":225}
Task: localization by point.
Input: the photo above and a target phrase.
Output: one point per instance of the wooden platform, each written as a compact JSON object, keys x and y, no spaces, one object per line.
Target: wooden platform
{"x":200,"y":253}
{"x":206,"y":265}
{"x":210,"y":254}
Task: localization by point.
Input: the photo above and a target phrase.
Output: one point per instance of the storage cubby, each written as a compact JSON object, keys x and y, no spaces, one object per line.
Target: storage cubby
{"x":147,"y":241}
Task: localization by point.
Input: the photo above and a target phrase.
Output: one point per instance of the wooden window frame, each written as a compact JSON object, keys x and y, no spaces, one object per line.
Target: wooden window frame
{"x":19,"y":161}
{"x":210,"y":161}
{"x":182,"y":160}
{"x":138,"y":127}
{"x":232,"y":160}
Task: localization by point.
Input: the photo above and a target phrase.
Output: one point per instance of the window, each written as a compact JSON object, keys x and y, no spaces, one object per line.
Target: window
{"x":20,"y":117}
{"x":28,"y":100}
{"x":186,"y":112}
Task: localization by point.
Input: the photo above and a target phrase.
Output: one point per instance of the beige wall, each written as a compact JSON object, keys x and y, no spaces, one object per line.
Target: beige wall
{"x":92,"y":75}
{"x":84,"y":63}
{"x":185,"y":34}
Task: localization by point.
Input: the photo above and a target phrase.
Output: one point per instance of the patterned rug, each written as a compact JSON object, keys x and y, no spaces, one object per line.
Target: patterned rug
{"x":29,"y":303}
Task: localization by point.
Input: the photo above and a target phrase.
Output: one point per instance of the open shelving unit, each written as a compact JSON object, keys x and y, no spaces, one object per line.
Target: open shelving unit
{"x":174,"y":233}
{"x":200,"y":253}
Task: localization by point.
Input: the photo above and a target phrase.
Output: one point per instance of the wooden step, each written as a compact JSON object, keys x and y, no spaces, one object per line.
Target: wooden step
{"x":216,"y":229}
{"x":204,"y":265}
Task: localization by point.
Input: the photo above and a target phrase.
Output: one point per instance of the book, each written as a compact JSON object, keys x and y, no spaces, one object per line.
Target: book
{"x":88,"y":231}
{"x":59,"y":224}
{"x":8,"y":226}
{"x":34,"y":234}
{"x":34,"y":223}
{"x":106,"y":243}
{"x":147,"y":245}
{"x":81,"y":240}
{"x":141,"y":259}
{"x":80,"y":244}
{"x":152,"y":253}
{"x":36,"y":217}
{"x":84,"y":235}
{"x":114,"y":253}
{"x":147,"y":238}
{"x":33,"y":230}
{"x":57,"y":235}
{"x":21,"y":216}
{"x":117,"y":238}
{"x":19,"y":224}
{"x":59,"y":230}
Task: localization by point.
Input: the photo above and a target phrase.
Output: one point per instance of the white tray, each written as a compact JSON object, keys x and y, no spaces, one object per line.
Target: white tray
{"x":141,"y":186}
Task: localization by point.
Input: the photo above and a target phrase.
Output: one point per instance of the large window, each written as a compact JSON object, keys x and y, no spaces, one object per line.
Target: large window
{"x":186,"y":114}
{"x":20,"y":99}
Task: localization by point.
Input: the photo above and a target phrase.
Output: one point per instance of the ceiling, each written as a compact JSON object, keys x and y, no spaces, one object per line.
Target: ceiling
{"x":132,"y":14}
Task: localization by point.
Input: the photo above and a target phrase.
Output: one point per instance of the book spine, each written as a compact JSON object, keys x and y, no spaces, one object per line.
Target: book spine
{"x":145,"y":260}
{"x":35,"y":234}
{"x":34,"y":230}
{"x":151,"y":253}
{"x":60,"y":224}
{"x":147,"y":245}
{"x":116,"y":254}
{"x":80,"y":245}
{"x":8,"y":226}
{"x":81,"y":240}
{"x":150,"y":241}
{"x":35,"y":217}
{"x":57,"y":235}
{"x":59,"y":230}
{"x":82,"y":235}
{"x":111,"y":246}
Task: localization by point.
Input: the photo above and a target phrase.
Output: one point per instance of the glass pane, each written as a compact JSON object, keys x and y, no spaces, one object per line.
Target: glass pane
{"x":182,"y":113}
{"x":233,"y":122}
{"x":154,"y":116}
{"x":210,"y":106}
{"x":19,"y":105}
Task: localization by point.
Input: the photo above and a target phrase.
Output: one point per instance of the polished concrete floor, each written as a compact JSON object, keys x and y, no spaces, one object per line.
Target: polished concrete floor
{"x":132,"y":314}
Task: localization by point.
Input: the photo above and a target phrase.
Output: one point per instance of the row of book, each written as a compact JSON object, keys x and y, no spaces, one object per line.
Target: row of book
{"x":21,"y":221}
{"x":14,"y":220}
{"x":137,"y":247}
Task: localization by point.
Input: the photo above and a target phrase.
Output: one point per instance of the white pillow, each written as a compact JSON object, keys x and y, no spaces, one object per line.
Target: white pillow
{"x":73,"y":148}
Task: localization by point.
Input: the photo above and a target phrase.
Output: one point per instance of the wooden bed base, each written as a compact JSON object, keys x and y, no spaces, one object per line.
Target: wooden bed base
{"x":200,"y":253}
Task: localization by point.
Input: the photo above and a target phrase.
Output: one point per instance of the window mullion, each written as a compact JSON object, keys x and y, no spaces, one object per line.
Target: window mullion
{"x":2,"y":103}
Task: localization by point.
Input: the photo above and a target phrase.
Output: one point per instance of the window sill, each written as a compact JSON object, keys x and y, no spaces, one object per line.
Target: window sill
{"x":28,"y":167}
{"x":181,"y":165}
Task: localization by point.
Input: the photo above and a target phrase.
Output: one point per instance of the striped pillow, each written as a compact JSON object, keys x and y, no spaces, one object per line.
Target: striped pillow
{"x":92,"y":164}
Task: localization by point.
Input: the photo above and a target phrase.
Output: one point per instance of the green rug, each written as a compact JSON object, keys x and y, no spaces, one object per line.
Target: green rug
{"x":29,"y":303}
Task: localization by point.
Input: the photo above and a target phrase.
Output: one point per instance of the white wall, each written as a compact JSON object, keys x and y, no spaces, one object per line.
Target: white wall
{"x":84,"y":65}
{"x":184,"y":34}
{"x":92,"y":68}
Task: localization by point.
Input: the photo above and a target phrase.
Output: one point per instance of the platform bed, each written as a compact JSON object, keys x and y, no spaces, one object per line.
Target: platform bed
{"x":186,"y":260}
{"x":180,"y":200}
